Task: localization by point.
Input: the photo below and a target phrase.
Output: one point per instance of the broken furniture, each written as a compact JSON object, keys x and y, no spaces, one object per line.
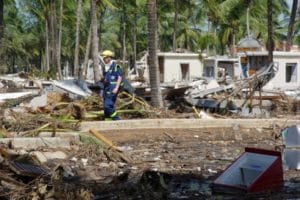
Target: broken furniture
{"x":256,"y":170}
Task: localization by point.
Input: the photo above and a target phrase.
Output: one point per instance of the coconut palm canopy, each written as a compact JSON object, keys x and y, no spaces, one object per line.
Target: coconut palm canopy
{"x":33,"y":31}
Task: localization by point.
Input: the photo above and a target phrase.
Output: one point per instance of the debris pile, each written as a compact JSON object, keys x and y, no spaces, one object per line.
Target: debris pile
{"x":65,"y":166}
{"x":239,"y":98}
{"x":44,"y":156}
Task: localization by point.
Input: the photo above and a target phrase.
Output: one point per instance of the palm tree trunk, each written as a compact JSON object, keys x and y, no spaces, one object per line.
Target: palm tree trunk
{"x":134,"y":42}
{"x":76,"y":54}
{"x":124,"y":35}
{"x":47,"y":52}
{"x":233,"y":45}
{"x":124,"y":45}
{"x":156,"y":97}
{"x":215,"y":36}
{"x":248,"y":24}
{"x":52,"y":30}
{"x":175,"y":25}
{"x":1,"y":19}
{"x":289,"y":40}
{"x":86,"y":56}
{"x":208,"y":32}
{"x":97,"y":72}
{"x":1,"y":34}
{"x":100,"y":27}
{"x":270,"y":31}
{"x":58,"y":56}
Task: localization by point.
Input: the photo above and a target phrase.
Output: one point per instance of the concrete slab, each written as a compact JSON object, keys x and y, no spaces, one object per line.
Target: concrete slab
{"x":43,"y":157}
{"x":5,"y":141}
{"x":13,"y":95}
{"x":185,"y":123}
{"x":39,"y":101}
{"x":55,"y":155}
{"x":74,"y":136}
{"x":33,"y":143}
{"x":39,"y":156}
{"x":72,"y":87}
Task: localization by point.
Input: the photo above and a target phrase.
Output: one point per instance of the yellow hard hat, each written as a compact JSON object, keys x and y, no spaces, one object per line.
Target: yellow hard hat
{"x":107,"y":53}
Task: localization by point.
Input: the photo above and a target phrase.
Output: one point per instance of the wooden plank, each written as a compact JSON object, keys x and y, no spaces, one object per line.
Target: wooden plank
{"x":110,"y":146}
{"x":10,"y":180}
{"x":104,"y":139}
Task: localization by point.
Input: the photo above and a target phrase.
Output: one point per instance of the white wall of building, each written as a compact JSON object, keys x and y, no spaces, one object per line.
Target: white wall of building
{"x":281,"y":60}
{"x":172,"y":65}
{"x":213,"y":64}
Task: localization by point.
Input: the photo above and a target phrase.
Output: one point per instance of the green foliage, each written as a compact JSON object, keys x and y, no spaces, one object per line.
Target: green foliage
{"x":91,"y":140}
{"x":202,"y":25}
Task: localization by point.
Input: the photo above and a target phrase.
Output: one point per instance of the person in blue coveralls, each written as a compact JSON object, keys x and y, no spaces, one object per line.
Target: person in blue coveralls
{"x":113,"y":76}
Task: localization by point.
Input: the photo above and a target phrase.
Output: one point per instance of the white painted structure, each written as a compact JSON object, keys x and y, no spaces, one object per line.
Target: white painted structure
{"x":177,"y":67}
{"x":287,"y":76}
{"x":213,"y":66}
{"x":287,"y":64}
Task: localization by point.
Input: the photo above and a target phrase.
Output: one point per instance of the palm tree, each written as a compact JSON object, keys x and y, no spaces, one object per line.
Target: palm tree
{"x":289,"y":40}
{"x":297,"y":29}
{"x":83,"y":73}
{"x":59,"y":40}
{"x":183,"y":10}
{"x":176,"y":3}
{"x":97,"y":73}
{"x":1,"y":18}
{"x":156,"y":97}
{"x":270,"y":31}
{"x":53,"y":37}
{"x":76,"y":54}
{"x":1,"y":32}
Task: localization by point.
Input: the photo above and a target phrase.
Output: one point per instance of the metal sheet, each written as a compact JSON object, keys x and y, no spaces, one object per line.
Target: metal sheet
{"x":291,"y":159}
{"x":27,"y":169}
{"x":291,"y":136}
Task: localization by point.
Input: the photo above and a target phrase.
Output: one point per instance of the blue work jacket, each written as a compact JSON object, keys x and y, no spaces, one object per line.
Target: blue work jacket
{"x":111,"y":76}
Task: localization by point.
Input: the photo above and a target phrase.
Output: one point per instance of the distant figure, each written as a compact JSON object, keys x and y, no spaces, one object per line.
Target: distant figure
{"x":244,"y":67}
{"x":113,"y":76}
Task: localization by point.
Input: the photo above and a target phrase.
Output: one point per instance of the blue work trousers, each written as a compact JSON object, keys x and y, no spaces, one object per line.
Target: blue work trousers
{"x":109,"y":100}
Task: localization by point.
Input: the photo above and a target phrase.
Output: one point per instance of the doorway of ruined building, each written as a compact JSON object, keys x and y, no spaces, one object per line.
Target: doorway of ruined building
{"x":291,"y":72}
{"x":161,"y":66}
{"x":185,"y":71}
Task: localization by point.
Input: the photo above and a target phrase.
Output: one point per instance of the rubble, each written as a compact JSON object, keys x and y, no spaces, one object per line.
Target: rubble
{"x":13,"y":95}
{"x":158,"y":163}
{"x":74,"y":87}
{"x":55,"y":144}
{"x":35,"y":143}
